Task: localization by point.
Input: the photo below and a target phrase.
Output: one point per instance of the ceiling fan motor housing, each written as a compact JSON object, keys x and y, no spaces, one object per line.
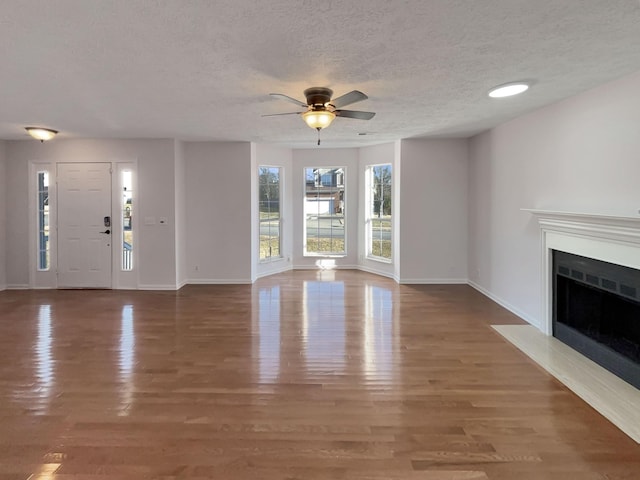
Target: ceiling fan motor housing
{"x":318,"y":96}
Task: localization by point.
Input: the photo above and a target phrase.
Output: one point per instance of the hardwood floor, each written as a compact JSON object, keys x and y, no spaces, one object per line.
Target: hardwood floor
{"x":303,"y":376}
{"x":611,"y":396}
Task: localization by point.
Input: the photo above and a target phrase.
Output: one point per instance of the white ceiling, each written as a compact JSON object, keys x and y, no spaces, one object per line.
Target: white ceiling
{"x":203,"y":69}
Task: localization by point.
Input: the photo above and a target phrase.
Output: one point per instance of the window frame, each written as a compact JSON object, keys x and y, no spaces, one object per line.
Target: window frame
{"x":279,"y":256}
{"x":340,"y":185}
{"x":43,"y":220}
{"x":127,"y":260}
{"x":370,"y":214}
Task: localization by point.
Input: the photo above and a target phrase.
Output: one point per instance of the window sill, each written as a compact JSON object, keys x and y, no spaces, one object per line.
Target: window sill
{"x":267,"y":261}
{"x":379,"y":259}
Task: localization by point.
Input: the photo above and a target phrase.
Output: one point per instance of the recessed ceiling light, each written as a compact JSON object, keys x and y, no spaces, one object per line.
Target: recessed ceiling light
{"x":508,"y":89}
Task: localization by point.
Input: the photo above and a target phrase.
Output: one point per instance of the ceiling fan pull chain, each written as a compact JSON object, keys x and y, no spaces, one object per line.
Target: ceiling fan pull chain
{"x":318,"y":135}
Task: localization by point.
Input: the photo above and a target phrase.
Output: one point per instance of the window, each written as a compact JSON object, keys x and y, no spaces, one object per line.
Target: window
{"x":379,"y":212}
{"x":269,"y":198}
{"x":324,"y":211}
{"x":44,"y":258}
{"x":127,"y":220}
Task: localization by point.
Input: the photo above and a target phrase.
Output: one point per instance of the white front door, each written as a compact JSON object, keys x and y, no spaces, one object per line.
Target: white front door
{"x":84,"y":225}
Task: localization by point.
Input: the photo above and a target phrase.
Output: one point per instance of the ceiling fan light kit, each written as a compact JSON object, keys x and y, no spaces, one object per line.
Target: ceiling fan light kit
{"x":41,"y":134}
{"x":318,"y":119}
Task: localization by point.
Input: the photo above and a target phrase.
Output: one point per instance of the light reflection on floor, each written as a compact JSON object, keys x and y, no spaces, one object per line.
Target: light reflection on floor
{"x":45,"y":376}
{"x":269,"y":321}
{"x":313,"y":326}
{"x":379,"y":348}
{"x":323,"y":326}
{"x":127,"y":356}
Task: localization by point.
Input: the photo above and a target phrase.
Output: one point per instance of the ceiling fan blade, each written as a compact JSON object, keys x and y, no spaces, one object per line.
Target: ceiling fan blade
{"x":355,"y":114}
{"x":289,"y":99}
{"x":278,"y":114}
{"x":348,"y":98}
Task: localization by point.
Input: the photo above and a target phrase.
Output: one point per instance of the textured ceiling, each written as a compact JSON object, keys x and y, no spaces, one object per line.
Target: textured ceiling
{"x":202,"y":70}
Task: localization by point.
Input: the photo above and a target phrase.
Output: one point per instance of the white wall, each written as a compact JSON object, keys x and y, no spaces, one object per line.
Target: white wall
{"x":581,"y":154}
{"x":3,"y":222}
{"x":180,"y":213}
{"x":219,"y":229}
{"x":433,"y":213}
{"x":274,"y":157}
{"x":324,"y":157}
{"x":17,"y":216}
{"x":156,"y":198}
{"x":377,"y":155}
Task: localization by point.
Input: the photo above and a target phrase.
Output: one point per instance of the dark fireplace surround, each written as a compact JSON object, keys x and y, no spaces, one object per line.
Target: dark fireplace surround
{"x":596,"y":311}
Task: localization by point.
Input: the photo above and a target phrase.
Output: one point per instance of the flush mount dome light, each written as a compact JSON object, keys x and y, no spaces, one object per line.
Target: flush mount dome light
{"x":318,"y":119}
{"x":40,"y":133}
{"x":508,"y":89}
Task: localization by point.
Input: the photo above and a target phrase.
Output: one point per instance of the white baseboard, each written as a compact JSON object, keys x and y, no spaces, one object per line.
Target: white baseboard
{"x":3,"y":287}
{"x":504,"y":304}
{"x":433,"y":281}
{"x":218,"y":281}
{"x":157,"y":287}
{"x":382,"y":273}
{"x":274,"y":271}
{"x":17,"y":286}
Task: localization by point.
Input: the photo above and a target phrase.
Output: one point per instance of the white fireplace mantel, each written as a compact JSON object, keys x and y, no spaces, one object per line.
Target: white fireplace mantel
{"x":610,"y":238}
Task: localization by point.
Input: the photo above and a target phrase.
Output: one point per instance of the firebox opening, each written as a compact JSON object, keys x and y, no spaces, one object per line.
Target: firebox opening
{"x":597,"y":312}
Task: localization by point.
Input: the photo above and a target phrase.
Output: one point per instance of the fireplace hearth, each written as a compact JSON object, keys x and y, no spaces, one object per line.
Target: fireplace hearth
{"x":596,"y":311}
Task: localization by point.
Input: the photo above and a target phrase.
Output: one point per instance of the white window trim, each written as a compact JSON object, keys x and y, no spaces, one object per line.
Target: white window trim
{"x":42,"y":278}
{"x":279,"y":257}
{"x":124,"y":279}
{"x":305,"y":252}
{"x":369,"y":214}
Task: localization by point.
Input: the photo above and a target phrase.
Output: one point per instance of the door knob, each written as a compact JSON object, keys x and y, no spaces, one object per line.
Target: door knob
{"x":107,"y":231}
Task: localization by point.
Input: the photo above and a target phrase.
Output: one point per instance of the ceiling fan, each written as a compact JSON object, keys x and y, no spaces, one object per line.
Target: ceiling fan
{"x":321,"y":110}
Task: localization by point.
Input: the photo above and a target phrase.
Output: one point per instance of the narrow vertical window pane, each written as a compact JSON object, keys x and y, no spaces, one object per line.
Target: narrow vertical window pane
{"x":380,"y":212}
{"x":269,"y":207}
{"x":127,"y":219}
{"x":324,"y":210}
{"x":43,"y":221}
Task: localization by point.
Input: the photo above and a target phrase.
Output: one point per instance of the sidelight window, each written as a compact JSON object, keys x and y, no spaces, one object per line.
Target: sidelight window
{"x":44,"y":253}
{"x":127,"y":212}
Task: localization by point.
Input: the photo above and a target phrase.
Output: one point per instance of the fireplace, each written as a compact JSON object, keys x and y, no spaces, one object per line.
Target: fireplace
{"x":596,"y":311}
{"x":610,"y":240}
{"x":591,"y":286}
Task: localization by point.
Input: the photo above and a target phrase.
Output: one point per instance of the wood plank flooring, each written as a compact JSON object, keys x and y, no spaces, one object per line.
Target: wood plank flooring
{"x":611,"y":396}
{"x":303,"y":376}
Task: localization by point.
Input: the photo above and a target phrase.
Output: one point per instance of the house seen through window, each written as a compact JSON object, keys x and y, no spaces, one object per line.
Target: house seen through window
{"x":324,"y":211}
